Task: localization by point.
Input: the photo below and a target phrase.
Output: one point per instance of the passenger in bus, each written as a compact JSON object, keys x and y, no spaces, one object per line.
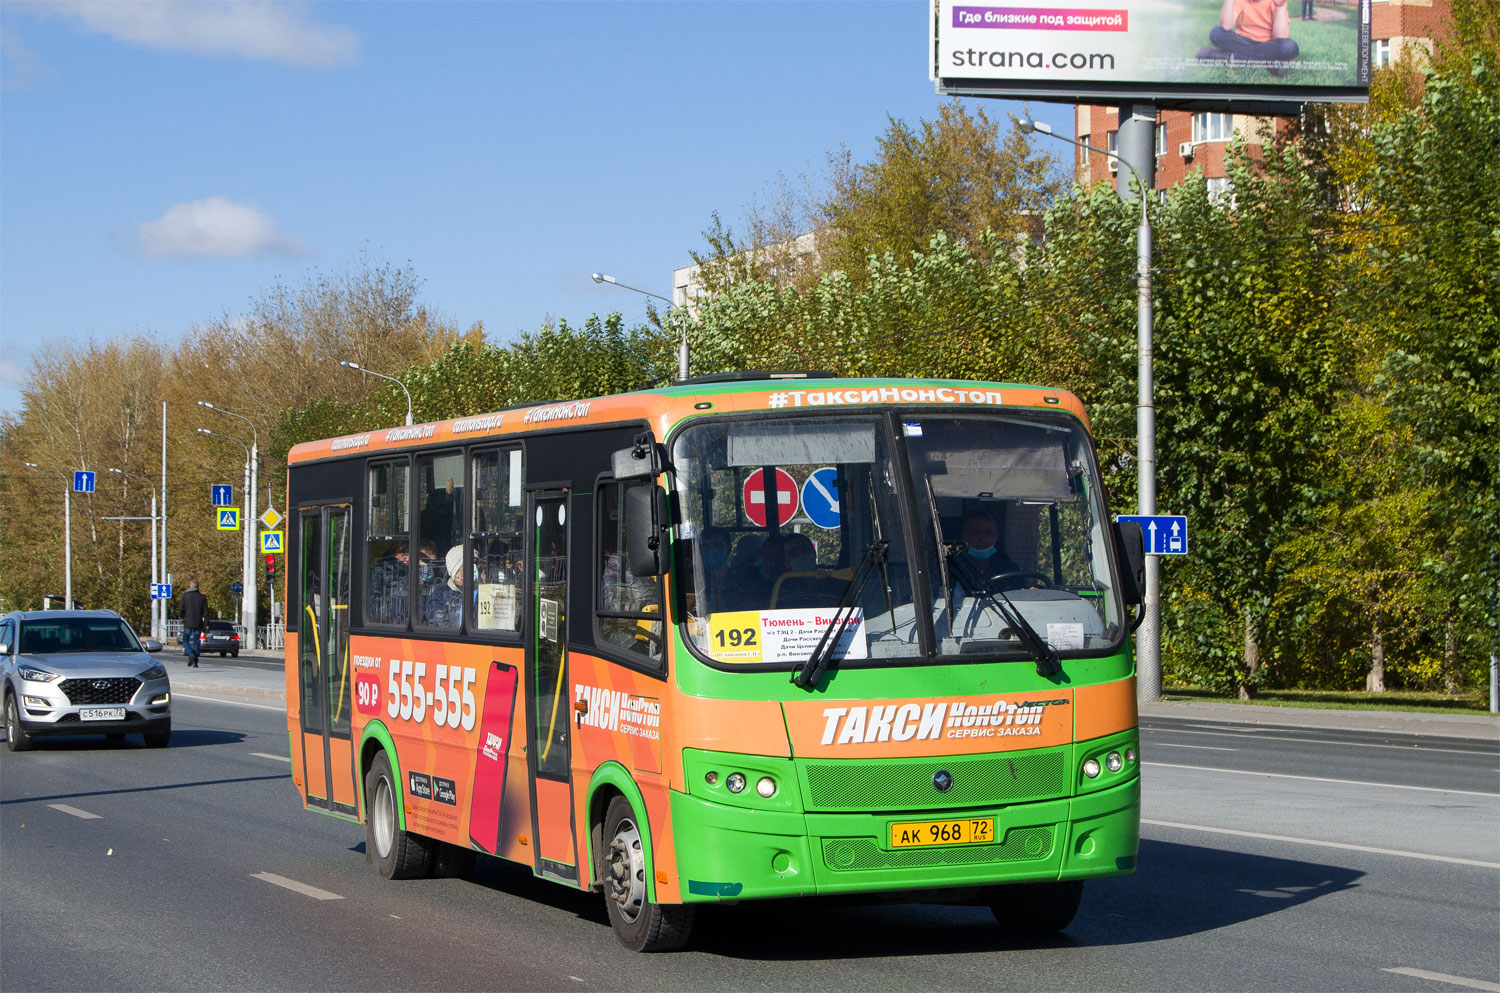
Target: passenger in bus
{"x":751,"y":589}
{"x":443,"y":607}
{"x":388,"y":592}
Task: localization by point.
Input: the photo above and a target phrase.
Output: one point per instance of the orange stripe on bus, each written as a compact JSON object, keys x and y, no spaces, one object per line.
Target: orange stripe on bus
{"x":1106,"y":709}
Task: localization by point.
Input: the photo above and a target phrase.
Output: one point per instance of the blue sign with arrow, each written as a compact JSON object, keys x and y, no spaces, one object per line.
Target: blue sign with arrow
{"x":820,"y":498}
{"x":83,"y":481}
{"x":1166,"y":534}
{"x":223,"y":495}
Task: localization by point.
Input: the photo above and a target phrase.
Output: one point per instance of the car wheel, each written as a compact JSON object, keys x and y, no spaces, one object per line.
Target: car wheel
{"x":159,"y":739}
{"x":235,"y":653}
{"x":16,"y":738}
{"x":640,"y":924}
{"x":1036,"y":908}
{"x":398,"y":854}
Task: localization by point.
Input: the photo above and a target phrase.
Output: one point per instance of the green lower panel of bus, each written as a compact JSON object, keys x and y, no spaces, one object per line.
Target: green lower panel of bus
{"x":737,"y":852}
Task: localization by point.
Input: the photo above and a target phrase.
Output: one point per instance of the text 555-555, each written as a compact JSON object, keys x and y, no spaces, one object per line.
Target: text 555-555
{"x":449,"y":702}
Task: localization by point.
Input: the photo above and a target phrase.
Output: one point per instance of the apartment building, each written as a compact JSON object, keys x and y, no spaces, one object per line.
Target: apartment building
{"x":1190,"y":142}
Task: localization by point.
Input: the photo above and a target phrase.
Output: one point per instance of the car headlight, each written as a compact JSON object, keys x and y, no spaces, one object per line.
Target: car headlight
{"x":157,"y":671}
{"x":34,"y":675}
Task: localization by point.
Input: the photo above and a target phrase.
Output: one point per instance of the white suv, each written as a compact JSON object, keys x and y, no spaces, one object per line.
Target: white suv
{"x":81,"y":672}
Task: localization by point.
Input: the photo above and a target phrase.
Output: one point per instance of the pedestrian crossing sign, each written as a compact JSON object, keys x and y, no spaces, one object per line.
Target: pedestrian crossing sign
{"x":229,"y":518}
{"x":270,"y":542}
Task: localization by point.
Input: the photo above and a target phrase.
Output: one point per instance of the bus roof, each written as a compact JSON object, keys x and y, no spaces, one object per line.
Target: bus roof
{"x":664,"y":407}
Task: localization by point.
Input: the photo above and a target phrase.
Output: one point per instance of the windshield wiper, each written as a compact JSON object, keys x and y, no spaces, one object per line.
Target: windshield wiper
{"x":1047,"y":661}
{"x":808,"y":673}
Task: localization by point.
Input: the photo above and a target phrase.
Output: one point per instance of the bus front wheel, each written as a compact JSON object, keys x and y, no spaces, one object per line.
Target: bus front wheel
{"x":640,"y":924}
{"x":398,"y":854}
{"x":1036,"y":908}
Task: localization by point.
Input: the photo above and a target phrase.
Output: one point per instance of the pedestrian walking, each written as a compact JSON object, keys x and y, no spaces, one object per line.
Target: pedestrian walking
{"x":194,"y":606}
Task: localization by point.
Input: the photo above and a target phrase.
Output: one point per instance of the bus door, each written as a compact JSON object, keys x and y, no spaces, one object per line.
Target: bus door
{"x":323,"y":658}
{"x":548,"y":709}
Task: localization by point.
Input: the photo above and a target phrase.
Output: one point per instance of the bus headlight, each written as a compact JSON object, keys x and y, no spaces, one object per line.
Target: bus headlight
{"x":1113,"y":762}
{"x":765,"y":786}
{"x":1091,"y":768}
{"x":736,"y":782}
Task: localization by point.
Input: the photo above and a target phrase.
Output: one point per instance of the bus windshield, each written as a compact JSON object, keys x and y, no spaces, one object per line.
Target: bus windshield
{"x":995,"y":526}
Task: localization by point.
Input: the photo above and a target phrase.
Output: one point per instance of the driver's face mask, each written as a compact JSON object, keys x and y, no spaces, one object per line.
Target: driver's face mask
{"x":982,"y":553}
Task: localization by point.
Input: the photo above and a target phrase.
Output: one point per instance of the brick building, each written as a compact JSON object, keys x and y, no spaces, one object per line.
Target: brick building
{"x":1188,"y":142}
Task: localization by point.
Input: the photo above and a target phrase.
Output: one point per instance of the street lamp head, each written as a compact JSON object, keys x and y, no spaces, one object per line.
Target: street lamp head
{"x":33,"y":465}
{"x":205,"y":403}
{"x":1030,"y":125}
{"x":349,"y":365}
{"x":600,"y":277}
{"x":204,"y":431}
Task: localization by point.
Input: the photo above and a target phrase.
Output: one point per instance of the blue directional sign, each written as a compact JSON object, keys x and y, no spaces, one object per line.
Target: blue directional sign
{"x":1166,"y":534}
{"x":236,"y":587}
{"x":223,"y":495}
{"x":83,"y":481}
{"x":161,"y":591}
{"x":820,"y":498}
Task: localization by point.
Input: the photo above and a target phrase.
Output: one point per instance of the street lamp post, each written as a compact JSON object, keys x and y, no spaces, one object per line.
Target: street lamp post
{"x":252,"y":594}
{"x":158,"y":607}
{"x":1148,"y":641}
{"x":67,"y":532}
{"x":359,"y":368}
{"x":246,"y":563}
{"x":682,"y":347}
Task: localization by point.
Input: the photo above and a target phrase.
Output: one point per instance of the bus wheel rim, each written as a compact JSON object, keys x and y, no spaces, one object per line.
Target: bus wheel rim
{"x":626,"y":884}
{"x":384,"y":818}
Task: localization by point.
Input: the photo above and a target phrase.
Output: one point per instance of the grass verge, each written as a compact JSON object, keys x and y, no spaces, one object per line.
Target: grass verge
{"x":1433,"y":703}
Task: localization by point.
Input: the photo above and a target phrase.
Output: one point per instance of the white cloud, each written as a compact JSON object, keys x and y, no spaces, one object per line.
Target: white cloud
{"x":11,"y":374}
{"x":215,"y":228}
{"x":256,"y":29}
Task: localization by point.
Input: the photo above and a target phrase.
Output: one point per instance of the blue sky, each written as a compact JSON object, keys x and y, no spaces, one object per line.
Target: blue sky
{"x":162,"y":164}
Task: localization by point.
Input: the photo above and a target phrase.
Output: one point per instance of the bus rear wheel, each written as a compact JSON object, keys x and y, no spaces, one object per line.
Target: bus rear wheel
{"x":640,"y":924}
{"x":1036,"y":908}
{"x":398,"y":854}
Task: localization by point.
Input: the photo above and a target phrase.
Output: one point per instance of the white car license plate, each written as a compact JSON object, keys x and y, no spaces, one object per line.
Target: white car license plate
{"x":102,"y":714}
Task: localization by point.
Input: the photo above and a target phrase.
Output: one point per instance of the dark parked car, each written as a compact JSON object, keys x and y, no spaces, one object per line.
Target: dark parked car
{"x":221,"y":637}
{"x":81,"y":672}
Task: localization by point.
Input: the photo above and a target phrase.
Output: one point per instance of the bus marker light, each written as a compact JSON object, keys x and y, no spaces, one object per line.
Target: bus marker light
{"x":1130,"y":755}
{"x":1091,"y":768}
{"x":1113,"y":762}
{"x":765,"y":786}
{"x":711,"y":778}
{"x":735,"y":782}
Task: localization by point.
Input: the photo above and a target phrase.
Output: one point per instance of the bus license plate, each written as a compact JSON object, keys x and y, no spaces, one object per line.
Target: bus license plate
{"x":970,"y":831}
{"x":102,"y":714}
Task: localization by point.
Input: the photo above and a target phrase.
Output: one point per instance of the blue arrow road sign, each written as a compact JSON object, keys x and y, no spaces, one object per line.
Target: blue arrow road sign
{"x":83,"y":481}
{"x":161,"y":591}
{"x":236,"y":587}
{"x":223,"y":495}
{"x":820,"y":498}
{"x":1166,"y":534}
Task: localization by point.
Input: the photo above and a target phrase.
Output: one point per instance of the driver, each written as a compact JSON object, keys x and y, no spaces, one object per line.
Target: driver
{"x":984,"y":556}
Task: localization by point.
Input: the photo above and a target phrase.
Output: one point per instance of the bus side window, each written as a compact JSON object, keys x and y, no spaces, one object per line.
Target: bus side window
{"x":388,"y":545}
{"x":628,"y":607}
{"x":495,"y":537}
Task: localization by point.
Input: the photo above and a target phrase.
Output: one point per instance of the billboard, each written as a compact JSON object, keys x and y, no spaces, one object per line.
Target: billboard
{"x":1266,"y":53}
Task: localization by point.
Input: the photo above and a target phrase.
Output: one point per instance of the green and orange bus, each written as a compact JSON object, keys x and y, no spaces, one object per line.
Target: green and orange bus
{"x":748,"y":636}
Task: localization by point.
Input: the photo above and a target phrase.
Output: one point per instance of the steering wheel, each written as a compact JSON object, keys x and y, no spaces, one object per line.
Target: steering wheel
{"x":1041,"y":581}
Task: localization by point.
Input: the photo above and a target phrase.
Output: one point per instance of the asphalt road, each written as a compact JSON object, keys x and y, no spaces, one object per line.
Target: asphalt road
{"x":1271,"y":859}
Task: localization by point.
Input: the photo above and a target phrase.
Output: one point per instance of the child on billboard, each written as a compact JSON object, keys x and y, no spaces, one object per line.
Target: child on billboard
{"x":1254,"y":31}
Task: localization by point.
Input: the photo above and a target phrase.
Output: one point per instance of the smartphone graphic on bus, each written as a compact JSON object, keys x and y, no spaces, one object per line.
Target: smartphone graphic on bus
{"x":490,"y":762}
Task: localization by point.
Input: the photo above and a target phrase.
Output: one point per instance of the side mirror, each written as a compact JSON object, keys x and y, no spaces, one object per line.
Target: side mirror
{"x":645,"y":517}
{"x":4,"y":648}
{"x":639,"y":461}
{"x":151,"y":645}
{"x":1130,"y":557}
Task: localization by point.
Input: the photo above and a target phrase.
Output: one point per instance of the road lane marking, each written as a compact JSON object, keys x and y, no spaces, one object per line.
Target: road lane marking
{"x":1211,"y":748}
{"x":224,"y":700}
{"x":268,"y":755}
{"x":1443,"y":977}
{"x":1324,"y":844}
{"x":1323,"y":779}
{"x":294,"y":886}
{"x":75,"y":811}
{"x":1320,"y":741}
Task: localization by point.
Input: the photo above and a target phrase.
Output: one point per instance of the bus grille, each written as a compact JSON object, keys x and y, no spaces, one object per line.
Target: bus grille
{"x":978,"y":781}
{"x":854,"y":854}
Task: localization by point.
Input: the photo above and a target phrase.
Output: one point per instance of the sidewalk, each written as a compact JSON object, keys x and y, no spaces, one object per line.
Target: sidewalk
{"x":266,"y":684}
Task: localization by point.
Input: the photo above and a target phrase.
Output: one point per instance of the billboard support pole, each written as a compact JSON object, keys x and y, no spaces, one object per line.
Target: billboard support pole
{"x":1137,"y":145}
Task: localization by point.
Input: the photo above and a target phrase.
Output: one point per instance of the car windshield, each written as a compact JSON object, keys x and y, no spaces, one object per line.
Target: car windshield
{"x":77,"y":634}
{"x":997,"y":521}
